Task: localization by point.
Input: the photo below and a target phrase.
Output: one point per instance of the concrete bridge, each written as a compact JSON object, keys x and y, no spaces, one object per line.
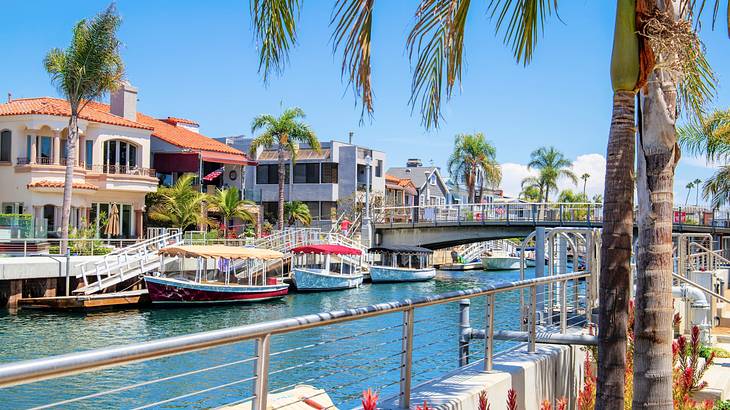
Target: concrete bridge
{"x":442,"y":226}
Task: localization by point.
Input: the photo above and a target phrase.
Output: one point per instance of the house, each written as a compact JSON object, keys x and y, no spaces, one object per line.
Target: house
{"x":460,"y":195}
{"x":430,"y":186}
{"x":399,"y":191}
{"x":113,"y":165}
{"x":322,"y":179}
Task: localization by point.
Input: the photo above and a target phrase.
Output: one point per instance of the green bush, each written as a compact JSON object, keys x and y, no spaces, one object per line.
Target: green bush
{"x":722,"y":405}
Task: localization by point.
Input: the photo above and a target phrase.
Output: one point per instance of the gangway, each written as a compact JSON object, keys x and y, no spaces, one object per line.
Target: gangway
{"x":476,"y":250}
{"x":126,"y":263}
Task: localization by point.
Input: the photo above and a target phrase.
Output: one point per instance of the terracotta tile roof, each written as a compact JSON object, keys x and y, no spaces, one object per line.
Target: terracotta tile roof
{"x":59,"y":184}
{"x":175,"y":120}
{"x":302,"y":154}
{"x":61,"y":108}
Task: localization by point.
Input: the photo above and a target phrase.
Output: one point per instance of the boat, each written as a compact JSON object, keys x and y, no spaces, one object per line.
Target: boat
{"x":313,"y":268}
{"x":401,"y":264}
{"x":500,"y":260}
{"x":219,"y":283}
{"x":461,"y":266}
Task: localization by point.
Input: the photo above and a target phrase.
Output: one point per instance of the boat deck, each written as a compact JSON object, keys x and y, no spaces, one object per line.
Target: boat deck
{"x":131,"y":298}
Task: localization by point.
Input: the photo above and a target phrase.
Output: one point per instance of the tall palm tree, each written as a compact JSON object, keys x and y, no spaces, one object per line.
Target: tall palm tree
{"x":530,"y":193}
{"x":585,"y":177}
{"x":88,"y":69}
{"x":552,"y":165}
{"x":710,"y":138}
{"x":284,"y":132}
{"x":436,"y":44}
{"x":689,"y":187}
{"x":180,"y":205}
{"x":297,"y":211}
{"x":228,"y":204}
{"x":474,"y":161}
{"x":697,"y":183}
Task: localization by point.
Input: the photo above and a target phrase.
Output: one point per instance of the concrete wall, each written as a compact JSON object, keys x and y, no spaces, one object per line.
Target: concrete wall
{"x":551,"y":373}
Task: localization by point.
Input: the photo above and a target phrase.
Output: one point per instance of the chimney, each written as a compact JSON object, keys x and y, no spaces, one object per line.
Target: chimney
{"x":413,"y":163}
{"x":10,"y":97}
{"x":124,"y":101}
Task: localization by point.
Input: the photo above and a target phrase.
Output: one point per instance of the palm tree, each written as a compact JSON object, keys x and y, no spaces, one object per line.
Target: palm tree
{"x":436,"y":44}
{"x":569,"y":196}
{"x":689,"y":187}
{"x":179,"y":205}
{"x":585,"y":177}
{"x":697,"y":183}
{"x":297,"y":212}
{"x":228,"y":204}
{"x":711,"y":138}
{"x":88,"y":69}
{"x":474,"y":162}
{"x":552,"y":166}
{"x":285,"y":132}
{"x":530,"y":193}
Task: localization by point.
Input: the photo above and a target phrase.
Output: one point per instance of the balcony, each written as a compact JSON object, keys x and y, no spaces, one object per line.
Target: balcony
{"x":122,"y":170}
{"x":41,"y":161}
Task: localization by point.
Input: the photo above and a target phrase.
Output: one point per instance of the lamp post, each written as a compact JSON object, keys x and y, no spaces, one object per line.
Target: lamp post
{"x":365,"y":228}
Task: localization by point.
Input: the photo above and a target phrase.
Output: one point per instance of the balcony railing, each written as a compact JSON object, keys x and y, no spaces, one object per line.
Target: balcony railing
{"x":122,"y":170}
{"x":42,"y":161}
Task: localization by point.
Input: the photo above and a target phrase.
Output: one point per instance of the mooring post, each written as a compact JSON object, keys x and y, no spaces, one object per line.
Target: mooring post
{"x":464,"y":327}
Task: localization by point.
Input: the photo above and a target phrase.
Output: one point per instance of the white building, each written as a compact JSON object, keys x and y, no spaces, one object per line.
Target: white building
{"x":112,"y":165}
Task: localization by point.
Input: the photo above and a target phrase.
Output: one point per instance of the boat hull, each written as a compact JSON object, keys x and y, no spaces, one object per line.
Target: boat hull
{"x":500,"y":263}
{"x":380,"y":274}
{"x":530,"y":263}
{"x":461,"y":266}
{"x":318,"y":280}
{"x":168,"y":290}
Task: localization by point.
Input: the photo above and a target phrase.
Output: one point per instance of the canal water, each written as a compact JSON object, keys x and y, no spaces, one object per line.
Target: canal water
{"x":344,"y":359}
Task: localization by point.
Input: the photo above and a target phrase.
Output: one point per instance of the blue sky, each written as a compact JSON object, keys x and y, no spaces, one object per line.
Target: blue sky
{"x":198,"y":60}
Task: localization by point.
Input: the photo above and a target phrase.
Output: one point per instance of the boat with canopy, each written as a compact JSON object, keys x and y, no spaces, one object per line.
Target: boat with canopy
{"x":221,"y":274}
{"x":326,"y":267}
{"x":401,"y":263}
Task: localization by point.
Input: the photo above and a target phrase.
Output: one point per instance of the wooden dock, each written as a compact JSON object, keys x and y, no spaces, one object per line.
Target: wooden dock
{"x":127,"y":299}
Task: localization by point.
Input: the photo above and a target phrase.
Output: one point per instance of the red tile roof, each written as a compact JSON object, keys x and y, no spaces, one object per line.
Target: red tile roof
{"x":175,"y":121}
{"x":59,"y":107}
{"x":60,"y":184}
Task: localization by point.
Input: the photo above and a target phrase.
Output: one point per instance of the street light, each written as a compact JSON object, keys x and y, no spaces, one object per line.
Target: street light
{"x":365,"y":230}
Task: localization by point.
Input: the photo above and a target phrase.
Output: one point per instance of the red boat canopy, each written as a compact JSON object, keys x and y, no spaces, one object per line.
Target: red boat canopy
{"x":327,"y":250}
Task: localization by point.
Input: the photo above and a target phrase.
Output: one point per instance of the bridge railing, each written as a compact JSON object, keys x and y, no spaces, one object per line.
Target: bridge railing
{"x":521,"y":213}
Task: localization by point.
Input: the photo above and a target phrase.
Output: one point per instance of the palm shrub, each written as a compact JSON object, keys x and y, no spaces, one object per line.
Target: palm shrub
{"x":87,"y":70}
{"x":180,"y":205}
{"x":297,"y":211}
{"x":474,"y":161}
{"x":228,"y":204}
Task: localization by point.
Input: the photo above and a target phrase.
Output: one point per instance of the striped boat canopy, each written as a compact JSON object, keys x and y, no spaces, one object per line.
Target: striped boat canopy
{"x":220,"y":251}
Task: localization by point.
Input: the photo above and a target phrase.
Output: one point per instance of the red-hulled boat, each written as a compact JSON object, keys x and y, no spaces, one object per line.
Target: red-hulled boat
{"x":221,"y":284}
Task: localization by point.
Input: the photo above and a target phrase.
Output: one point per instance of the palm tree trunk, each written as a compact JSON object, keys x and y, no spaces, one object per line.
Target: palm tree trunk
{"x":73,"y":136}
{"x":616,"y":241}
{"x":282,"y":173}
{"x":657,"y":158}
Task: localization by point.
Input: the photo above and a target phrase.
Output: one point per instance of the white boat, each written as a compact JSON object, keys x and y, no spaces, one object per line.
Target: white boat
{"x":314,"y":270}
{"x":461,"y":266}
{"x":500,"y":260}
{"x":401,"y":264}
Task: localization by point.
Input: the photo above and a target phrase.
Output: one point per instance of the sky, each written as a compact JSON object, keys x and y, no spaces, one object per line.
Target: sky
{"x":198,"y":60}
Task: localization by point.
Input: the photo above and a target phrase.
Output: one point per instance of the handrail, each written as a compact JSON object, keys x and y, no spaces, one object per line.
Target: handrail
{"x":28,"y":371}
{"x":700,"y":287}
{"x":714,"y":253}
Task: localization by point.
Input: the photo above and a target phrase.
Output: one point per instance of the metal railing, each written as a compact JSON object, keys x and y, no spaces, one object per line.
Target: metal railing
{"x":527,"y":213}
{"x":122,"y":170}
{"x":407,"y":348}
{"x":51,"y":246}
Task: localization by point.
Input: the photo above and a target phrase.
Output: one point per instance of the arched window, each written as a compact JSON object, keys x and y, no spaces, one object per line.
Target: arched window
{"x":5,"y":143}
{"x":119,"y":156}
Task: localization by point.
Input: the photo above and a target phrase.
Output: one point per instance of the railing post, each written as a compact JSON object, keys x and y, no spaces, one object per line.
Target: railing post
{"x":560,"y":209}
{"x":262,"y":346}
{"x":458,"y":214}
{"x":489,"y":333}
{"x":534,"y":221}
{"x":507,"y":213}
{"x":463,"y":329}
{"x":406,"y":359}
{"x":563,"y":306}
{"x":532,"y":317}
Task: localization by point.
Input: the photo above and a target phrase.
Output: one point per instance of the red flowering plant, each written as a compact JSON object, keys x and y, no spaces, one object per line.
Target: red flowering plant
{"x":688,"y":372}
{"x":424,"y":407}
{"x":369,"y":400}
{"x":511,"y":399}
{"x":484,"y":400}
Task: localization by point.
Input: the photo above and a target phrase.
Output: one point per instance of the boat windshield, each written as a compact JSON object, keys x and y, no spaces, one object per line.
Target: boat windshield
{"x":402,"y":260}
{"x":331,"y":263}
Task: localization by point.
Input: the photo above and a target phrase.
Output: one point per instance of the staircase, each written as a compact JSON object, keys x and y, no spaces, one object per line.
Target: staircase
{"x":125,"y":263}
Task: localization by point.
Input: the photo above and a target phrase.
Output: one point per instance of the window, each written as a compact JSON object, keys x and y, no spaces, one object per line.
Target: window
{"x":432,"y":179}
{"x":89,"y":154}
{"x":379,"y":168}
{"x":329,"y":173}
{"x":5,"y":139}
{"x":119,"y":156}
{"x":313,"y":209}
{"x":45,"y":150}
{"x":269,"y":174}
{"x":306,"y":174}
{"x":329,"y":210}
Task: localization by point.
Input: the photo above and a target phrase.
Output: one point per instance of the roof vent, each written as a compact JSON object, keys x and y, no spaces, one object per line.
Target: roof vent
{"x":413,"y":163}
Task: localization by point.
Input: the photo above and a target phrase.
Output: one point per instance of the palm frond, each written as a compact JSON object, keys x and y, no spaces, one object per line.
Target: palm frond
{"x":698,"y":84}
{"x":717,"y":187}
{"x":522,"y":21}
{"x":275,"y":27}
{"x":436,"y":43}
{"x":709,"y":137}
{"x":353,"y":23}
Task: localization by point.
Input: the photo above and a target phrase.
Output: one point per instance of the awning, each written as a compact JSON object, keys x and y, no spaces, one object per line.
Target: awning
{"x":190,"y":161}
{"x":400,"y":249}
{"x":327,"y":250}
{"x":225,"y":158}
{"x":213,"y":175}
{"x":220,"y":251}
